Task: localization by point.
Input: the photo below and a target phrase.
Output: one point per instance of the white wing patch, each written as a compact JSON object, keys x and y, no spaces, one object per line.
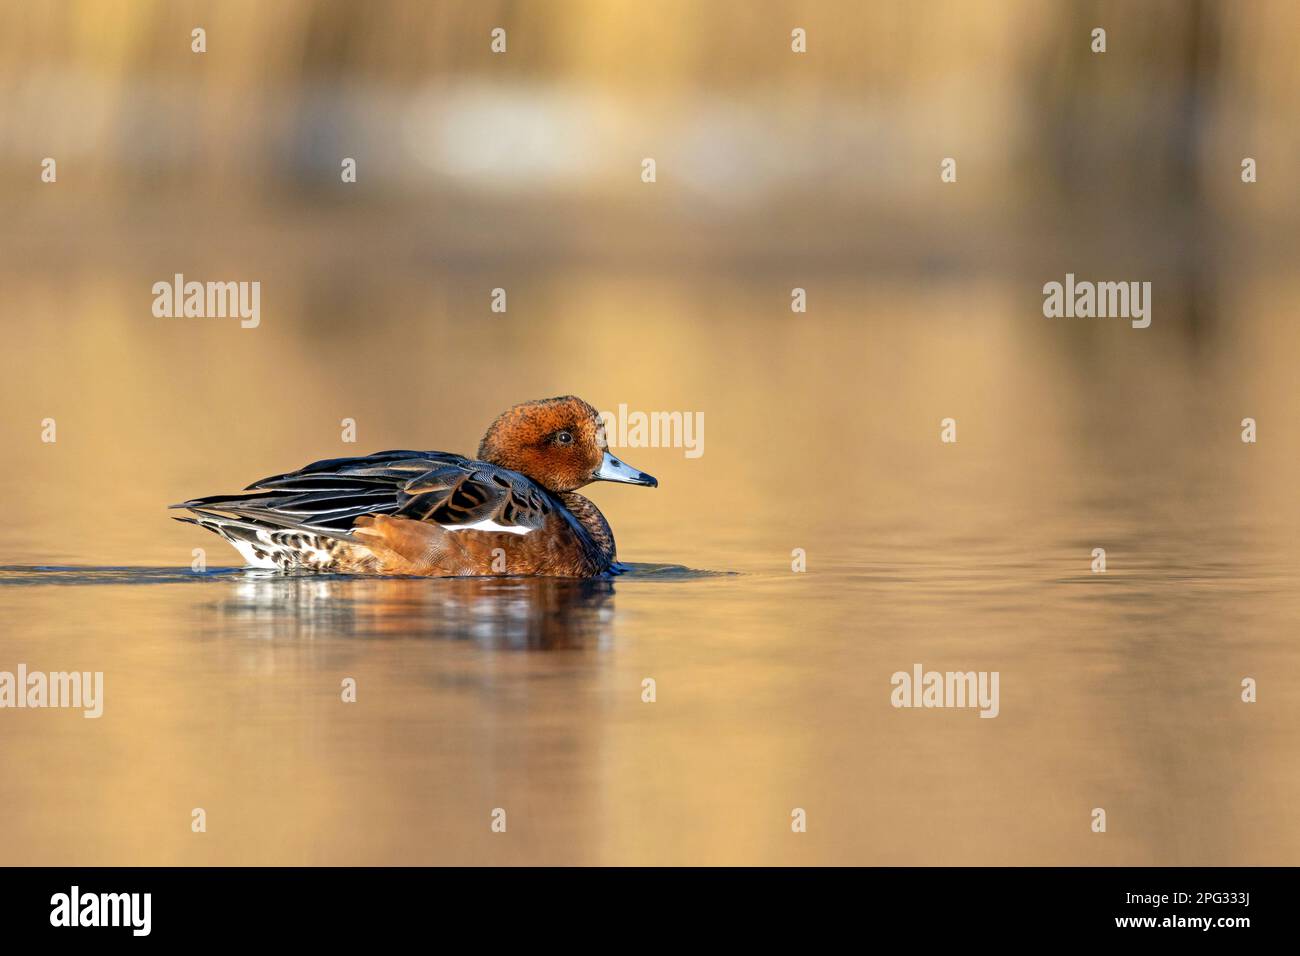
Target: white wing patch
{"x":245,"y":548}
{"x":487,"y":524}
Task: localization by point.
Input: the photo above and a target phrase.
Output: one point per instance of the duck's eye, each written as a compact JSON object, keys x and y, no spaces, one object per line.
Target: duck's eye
{"x":564,"y":438}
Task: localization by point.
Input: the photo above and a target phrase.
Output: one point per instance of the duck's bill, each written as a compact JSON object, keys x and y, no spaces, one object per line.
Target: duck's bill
{"x":611,"y":469}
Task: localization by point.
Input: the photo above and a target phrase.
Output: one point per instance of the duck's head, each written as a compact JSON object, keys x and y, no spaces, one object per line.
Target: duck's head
{"x":557,"y":442}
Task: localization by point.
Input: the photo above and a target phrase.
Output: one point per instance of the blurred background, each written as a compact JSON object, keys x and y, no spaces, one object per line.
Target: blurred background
{"x":522,"y":171}
{"x":775,"y":170}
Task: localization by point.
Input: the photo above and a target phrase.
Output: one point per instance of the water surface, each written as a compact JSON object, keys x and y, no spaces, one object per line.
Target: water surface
{"x":1118,"y":690}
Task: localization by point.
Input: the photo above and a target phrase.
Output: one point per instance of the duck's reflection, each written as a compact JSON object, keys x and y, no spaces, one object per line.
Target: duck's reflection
{"x":524,"y":613}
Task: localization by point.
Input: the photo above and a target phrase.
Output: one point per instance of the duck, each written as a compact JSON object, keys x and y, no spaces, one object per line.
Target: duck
{"x":512,"y":510}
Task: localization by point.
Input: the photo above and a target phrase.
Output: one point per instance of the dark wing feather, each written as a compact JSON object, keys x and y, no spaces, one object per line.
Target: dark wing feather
{"x":383,"y":467}
{"x":472,"y":492}
{"x":331,"y":494}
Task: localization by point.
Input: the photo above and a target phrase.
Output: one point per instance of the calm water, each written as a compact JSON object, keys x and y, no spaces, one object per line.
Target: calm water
{"x":223,"y":692}
{"x":1118,"y":690}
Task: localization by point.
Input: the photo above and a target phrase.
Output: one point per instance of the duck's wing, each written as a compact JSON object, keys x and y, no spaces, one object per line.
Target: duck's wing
{"x":474,"y":495}
{"x":329,"y":496}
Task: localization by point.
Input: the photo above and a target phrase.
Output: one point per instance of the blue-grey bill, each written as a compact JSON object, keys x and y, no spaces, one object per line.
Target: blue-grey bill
{"x":611,"y":469}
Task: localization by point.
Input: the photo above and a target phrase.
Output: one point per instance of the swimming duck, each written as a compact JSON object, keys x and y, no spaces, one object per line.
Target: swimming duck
{"x":514,"y":510}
